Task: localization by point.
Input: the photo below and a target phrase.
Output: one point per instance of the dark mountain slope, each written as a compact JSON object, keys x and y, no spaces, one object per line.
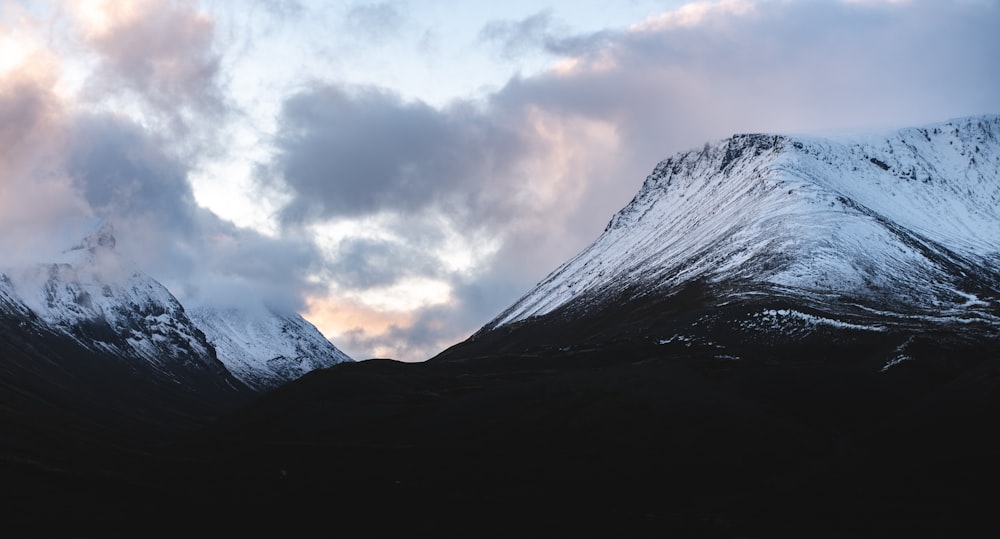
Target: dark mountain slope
{"x":611,"y":441}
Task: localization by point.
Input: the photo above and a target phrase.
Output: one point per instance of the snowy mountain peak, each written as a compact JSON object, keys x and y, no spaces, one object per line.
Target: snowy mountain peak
{"x":907,"y":221}
{"x":102,"y":238}
{"x":106,"y":305}
{"x":266,"y":348}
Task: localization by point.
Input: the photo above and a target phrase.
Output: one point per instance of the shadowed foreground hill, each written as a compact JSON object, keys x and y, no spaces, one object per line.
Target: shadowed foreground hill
{"x":617,"y":441}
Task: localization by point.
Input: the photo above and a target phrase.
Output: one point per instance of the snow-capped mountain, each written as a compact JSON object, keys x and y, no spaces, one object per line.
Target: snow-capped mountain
{"x":107,"y":306}
{"x":266,"y":348}
{"x":90,"y":346}
{"x":795,"y":233}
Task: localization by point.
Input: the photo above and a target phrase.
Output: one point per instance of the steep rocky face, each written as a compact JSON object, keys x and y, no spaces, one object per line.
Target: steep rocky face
{"x":767,"y":238}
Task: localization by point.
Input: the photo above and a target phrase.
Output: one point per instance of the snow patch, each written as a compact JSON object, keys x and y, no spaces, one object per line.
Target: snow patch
{"x":899,"y":355}
{"x":786,"y":319}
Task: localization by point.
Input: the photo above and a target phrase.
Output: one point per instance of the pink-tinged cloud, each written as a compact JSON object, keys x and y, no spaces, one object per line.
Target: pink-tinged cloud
{"x":159,"y":51}
{"x":38,"y":200}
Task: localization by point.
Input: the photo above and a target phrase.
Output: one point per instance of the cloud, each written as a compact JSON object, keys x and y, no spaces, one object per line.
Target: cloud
{"x":159,"y":52}
{"x":516,"y":38}
{"x":440,"y":192}
{"x":377,"y":22}
{"x":237,"y":267}
{"x":364,"y":263}
{"x":30,"y":114}
{"x":67,"y":166}
{"x":282,"y":9}
{"x":354,"y":152}
{"x":39,"y":203}
{"x":415,"y":334}
{"x":776,"y":66}
{"x":123,"y":172}
{"x":123,"y":175}
{"x":538,"y":32}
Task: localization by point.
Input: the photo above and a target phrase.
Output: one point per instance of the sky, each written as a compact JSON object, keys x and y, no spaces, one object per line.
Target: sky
{"x":401,"y":172}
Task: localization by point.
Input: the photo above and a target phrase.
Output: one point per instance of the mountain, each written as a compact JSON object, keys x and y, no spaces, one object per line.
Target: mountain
{"x":775,"y":239}
{"x":91,"y":343}
{"x":105,"y":305}
{"x":99,"y":366}
{"x":101,"y":305}
{"x":266,"y":348}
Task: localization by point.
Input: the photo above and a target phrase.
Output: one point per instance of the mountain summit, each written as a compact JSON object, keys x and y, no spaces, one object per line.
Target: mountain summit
{"x":108,"y":306}
{"x":763,"y":237}
{"x":102,"y":238}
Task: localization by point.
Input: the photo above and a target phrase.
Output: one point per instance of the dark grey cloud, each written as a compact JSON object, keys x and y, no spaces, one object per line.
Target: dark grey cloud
{"x":362,"y":263}
{"x":361,"y":152}
{"x":123,"y":172}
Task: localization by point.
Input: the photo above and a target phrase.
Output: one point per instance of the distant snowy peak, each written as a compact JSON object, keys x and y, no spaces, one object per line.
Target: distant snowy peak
{"x":265,"y":348}
{"x":908,"y":221}
{"x":108,"y":306}
{"x":103,"y":238}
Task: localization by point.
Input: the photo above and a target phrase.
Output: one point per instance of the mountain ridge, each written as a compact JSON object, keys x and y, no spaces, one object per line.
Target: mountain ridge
{"x":804,"y":215}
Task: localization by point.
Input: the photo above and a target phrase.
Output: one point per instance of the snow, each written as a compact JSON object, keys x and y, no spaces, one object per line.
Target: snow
{"x":899,"y":355}
{"x":891,"y":219}
{"x":264,"y":348}
{"x":785,"y":320}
